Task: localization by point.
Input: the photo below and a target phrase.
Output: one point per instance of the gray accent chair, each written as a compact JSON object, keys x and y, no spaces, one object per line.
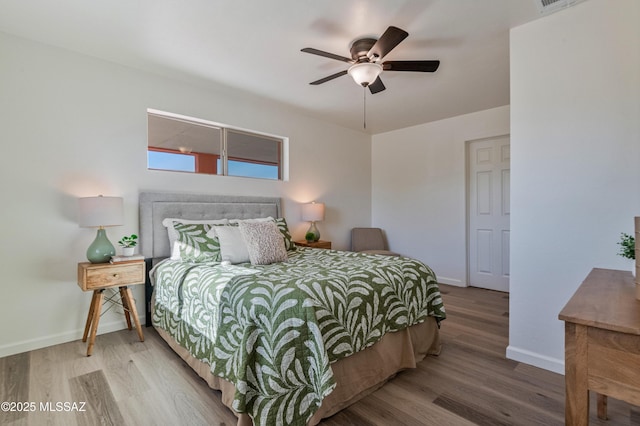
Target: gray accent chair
{"x":370,"y":240}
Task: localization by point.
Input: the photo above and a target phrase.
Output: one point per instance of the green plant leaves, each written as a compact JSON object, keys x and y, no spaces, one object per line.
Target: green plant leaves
{"x":627,"y":245}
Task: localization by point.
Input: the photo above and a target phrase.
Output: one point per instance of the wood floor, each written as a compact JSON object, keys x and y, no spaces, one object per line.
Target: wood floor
{"x":128,"y":382}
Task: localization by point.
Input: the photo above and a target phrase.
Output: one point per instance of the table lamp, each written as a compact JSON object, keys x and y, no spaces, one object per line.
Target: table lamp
{"x":312,"y":212}
{"x":99,"y":212}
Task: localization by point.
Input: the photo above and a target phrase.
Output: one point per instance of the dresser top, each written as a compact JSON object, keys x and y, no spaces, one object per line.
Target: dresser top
{"x":606,"y":299}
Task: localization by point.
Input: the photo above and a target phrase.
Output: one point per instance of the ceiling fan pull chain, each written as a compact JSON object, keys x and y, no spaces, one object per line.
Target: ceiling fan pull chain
{"x":364,"y":103}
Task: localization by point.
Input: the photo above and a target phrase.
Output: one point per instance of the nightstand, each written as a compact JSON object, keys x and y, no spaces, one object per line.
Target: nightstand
{"x":97,"y":277}
{"x":316,"y":244}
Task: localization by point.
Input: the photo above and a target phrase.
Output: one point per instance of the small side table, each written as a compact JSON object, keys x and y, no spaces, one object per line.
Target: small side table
{"x":100,"y":276}
{"x":315,"y":244}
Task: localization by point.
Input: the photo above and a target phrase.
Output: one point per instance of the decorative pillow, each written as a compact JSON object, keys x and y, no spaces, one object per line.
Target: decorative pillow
{"x":264,"y":242}
{"x":282,"y":226}
{"x":284,"y":230}
{"x":193,"y":244}
{"x":232,"y":245}
{"x":173,"y":234}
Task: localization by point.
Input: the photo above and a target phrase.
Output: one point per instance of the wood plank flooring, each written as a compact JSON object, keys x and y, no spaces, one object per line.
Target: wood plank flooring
{"x":128,"y":382}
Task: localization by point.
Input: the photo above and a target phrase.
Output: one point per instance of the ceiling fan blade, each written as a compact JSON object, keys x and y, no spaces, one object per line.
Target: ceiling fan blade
{"x":376,"y":86}
{"x":326,"y":54}
{"x":331,"y":77}
{"x":419,"y":66}
{"x":387,"y":41}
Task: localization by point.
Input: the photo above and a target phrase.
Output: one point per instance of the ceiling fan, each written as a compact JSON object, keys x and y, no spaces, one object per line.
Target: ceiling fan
{"x":366,"y":54}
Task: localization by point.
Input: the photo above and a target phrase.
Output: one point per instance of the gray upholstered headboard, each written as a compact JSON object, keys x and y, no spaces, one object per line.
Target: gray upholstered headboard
{"x":156,"y":206}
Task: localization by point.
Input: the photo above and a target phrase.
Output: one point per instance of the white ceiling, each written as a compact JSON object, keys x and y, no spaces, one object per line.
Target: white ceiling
{"x":255,"y":45}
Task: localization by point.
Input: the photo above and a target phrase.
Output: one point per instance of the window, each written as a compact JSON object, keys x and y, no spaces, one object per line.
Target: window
{"x":253,"y":155}
{"x":185,"y":144}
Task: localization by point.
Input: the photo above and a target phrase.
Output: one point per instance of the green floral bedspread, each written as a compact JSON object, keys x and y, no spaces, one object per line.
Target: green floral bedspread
{"x":274,"y":330}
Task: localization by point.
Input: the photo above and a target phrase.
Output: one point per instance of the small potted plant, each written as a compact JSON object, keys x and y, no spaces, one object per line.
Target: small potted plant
{"x":128,"y":244}
{"x":627,"y":245}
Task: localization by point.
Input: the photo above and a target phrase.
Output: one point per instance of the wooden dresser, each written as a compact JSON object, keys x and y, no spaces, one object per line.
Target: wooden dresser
{"x":602,"y":343}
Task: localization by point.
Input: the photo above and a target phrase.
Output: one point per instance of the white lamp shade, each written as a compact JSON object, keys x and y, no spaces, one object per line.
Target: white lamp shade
{"x":365,"y":73}
{"x":99,"y":211}
{"x":313,"y":212}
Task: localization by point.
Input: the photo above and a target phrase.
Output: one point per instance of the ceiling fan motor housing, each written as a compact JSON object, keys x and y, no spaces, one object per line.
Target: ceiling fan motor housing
{"x":360,"y":48}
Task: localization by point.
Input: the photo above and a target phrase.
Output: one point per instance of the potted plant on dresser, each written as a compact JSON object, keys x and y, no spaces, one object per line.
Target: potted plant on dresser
{"x":627,"y":245}
{"x":128,"y":244}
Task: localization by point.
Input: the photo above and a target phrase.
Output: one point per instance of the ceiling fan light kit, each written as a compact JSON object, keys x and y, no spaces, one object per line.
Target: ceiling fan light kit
{"x":365,"y":73}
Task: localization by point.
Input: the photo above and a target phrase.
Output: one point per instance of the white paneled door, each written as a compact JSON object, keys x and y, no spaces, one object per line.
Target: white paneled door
{"x":489,"y":182}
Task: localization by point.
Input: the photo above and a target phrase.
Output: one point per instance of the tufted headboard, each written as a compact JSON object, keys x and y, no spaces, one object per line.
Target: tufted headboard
{"x":156,"y":206}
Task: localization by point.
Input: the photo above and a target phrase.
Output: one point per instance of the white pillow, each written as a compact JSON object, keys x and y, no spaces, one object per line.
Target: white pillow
{"x":173,"y":234}
{"x":264,"y":242}
{"x":232,"y":245}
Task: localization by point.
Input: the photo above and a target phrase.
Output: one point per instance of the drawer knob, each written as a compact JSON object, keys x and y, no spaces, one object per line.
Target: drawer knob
{"x":115,"y":275}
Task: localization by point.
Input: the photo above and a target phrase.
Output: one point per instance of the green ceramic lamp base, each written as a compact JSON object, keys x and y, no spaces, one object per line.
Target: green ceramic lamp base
{"x":101,"y":249}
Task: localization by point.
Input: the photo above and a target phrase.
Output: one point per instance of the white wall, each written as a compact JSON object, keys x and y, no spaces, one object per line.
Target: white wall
{"x":419,"y":188}
{"x":74,"y":126}
{"x":575,"y":152}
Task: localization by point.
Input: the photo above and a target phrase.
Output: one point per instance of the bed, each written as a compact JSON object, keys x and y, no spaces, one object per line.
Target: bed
{"x":289,"y":341}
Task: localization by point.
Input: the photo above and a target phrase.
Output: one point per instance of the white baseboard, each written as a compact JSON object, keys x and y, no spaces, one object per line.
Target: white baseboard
{"x":537,"y":360}
{"x":56,"y":339}
{"x":451,"y":281}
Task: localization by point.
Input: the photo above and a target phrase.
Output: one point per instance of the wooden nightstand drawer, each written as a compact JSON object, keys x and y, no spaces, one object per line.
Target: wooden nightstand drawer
{"x":316,"y":244}
{"x":93,"y":276}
